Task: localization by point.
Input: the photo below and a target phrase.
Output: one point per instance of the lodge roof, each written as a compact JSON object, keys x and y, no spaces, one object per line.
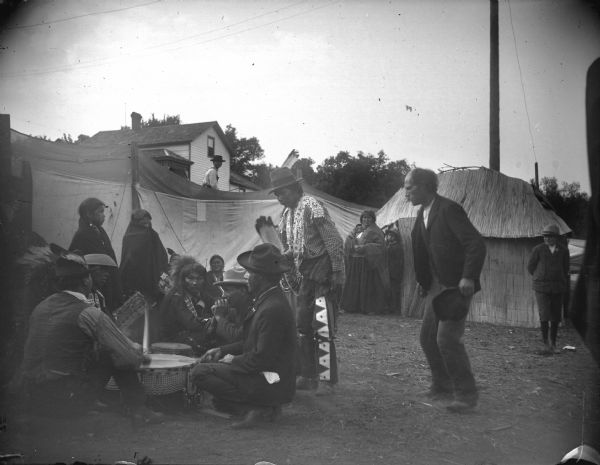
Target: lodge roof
{"x":498,"y":205}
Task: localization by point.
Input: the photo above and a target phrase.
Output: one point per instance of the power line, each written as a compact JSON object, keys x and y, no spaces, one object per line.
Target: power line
{"x":521,"y":79}
{"x":45,"y":23}
{"x":102,"y":61}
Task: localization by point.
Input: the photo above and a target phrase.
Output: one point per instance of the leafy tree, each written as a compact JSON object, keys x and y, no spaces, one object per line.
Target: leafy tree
{"x":167,"y":120}
{"x":569,"y":202}
{"x":82,"y":138}
{"x":245,"y":151}
{"x":366,"y":179}
{"x":66,"y":139}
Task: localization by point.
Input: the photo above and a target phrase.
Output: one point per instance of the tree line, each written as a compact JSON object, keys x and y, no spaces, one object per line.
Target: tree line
{"x":364,"y":178}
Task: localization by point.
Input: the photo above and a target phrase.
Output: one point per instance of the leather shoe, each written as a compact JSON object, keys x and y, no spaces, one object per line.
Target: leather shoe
{"x":437,"y":394}
{"x":461,"y":406}
{"x":306,"y":384}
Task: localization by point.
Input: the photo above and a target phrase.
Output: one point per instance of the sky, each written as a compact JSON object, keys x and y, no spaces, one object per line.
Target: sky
{"x":410,"y":78}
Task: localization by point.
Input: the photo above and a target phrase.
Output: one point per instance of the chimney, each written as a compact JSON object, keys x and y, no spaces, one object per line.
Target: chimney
{"x":136,"y":121}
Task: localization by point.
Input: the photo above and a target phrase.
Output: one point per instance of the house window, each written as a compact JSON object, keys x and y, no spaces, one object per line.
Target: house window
{"x":211,"y":147}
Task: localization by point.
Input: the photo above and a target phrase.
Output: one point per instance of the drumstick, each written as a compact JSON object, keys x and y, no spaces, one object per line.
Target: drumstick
{"x":145,"y":340}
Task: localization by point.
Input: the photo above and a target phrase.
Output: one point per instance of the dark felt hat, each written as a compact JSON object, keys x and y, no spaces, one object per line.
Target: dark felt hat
{"x":282,"y":177}
{"x":551,"y":230}
{"x":450,"y":304}
{"x":264,"y":259}
{"x":218,"y":158}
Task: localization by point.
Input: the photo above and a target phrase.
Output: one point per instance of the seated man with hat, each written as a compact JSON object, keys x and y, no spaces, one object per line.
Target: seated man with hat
{"x":256,"y":374}
{"x":62,"y":372}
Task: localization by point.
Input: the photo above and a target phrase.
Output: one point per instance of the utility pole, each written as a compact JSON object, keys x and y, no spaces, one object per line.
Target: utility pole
{"x":494,"y":88}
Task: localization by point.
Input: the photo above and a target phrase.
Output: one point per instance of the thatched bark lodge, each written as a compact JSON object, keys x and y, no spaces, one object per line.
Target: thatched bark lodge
{"x":508,"y":215}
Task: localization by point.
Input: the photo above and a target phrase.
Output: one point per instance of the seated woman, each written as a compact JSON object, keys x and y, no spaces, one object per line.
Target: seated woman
{"x":215,"y":274}
{"x":185,"y":311}
{"x":368,"y":283}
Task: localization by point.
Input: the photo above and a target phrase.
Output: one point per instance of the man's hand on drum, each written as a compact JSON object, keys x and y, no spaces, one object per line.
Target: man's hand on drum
{"x":220,"y":308}
{"x":227,"y":359}
{"x":211,"y":355}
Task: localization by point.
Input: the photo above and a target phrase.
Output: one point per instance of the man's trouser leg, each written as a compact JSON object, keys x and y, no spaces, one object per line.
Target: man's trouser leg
{"x":330,"y":339}
{"x":307,"y":344}
{"x":132,"y":390}
{"x":458,"y":366}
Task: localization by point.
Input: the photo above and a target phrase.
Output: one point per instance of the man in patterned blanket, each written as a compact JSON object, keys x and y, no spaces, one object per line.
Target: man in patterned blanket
{"x":312,"y":241}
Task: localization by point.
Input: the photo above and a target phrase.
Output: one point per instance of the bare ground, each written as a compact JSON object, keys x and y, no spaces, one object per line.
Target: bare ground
{"x":531,"y":411}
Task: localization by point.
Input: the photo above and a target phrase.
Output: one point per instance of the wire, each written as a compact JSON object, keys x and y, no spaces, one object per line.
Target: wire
{"x":103,"y":61}
{"x":521,"y":78}
{"x":45,"y":23}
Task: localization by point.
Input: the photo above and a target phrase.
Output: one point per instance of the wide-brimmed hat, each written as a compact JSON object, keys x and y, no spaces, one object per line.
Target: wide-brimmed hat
{"x":218,"y":158}
{"x":99,"y":259}
{"x":282,"y":177}
{"x":551,"y":230}
{"x":236,"y":275}
{"x":450,"y":304}
{"x":264,"y":259}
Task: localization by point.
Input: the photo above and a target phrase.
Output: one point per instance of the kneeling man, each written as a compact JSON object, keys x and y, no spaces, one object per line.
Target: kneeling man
{"x":257,"y":373}
{"x":73,"y":349}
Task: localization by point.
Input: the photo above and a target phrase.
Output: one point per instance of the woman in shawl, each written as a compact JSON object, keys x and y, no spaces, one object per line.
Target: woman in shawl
{"x":90,"y":238}
{"x":395,"y":259}
{"x":143,"y":257}
{"x":186,"y":310}
{"x":214,"y":275}
{"x":368,"y":282}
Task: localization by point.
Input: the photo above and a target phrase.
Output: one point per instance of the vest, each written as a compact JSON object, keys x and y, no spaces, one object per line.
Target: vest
{"x":55,"y":342}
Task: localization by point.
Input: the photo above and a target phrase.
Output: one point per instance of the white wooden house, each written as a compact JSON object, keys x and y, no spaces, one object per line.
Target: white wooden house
{"x":186,"y":149}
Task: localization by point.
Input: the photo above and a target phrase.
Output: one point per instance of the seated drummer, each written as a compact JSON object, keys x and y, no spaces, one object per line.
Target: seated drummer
{"x":62,"y":373}
{"x":236,"y":374}
{"x":185,"y":312}
{"x":231,"y":309}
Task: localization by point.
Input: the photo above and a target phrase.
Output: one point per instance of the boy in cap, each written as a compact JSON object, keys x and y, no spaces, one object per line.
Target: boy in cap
{"x":549,"y":266}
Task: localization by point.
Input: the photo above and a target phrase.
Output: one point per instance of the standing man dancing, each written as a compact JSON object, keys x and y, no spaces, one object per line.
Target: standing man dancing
{"x":311,"y":239}
{"x":449,"y":254}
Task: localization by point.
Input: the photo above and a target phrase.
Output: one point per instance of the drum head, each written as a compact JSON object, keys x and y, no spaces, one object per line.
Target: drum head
{"x":170,"y":346}
{"x":166,"y":361}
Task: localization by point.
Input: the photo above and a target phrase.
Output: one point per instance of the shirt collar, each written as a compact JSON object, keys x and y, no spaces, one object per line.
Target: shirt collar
{"x":78,"y":295}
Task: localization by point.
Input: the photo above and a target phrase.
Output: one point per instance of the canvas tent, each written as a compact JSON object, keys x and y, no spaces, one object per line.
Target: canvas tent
{"x":508,"y":215}
{"x":190,"y":219}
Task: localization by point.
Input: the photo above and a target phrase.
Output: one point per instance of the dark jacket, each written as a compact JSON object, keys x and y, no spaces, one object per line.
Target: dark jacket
{"x":269,"y":344}
{"x":550,"y":270}
{"x":143,"y":260}
{"x":450,"y":248}
{"x":93,"y":239}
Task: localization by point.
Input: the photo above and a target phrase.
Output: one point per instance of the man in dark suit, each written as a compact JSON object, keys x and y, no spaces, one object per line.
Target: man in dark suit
{"x":257,"y":373}
{"x":448,"y":254}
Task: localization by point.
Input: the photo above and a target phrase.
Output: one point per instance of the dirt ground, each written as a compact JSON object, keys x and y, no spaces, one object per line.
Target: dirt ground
{"x":533,"y":409}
